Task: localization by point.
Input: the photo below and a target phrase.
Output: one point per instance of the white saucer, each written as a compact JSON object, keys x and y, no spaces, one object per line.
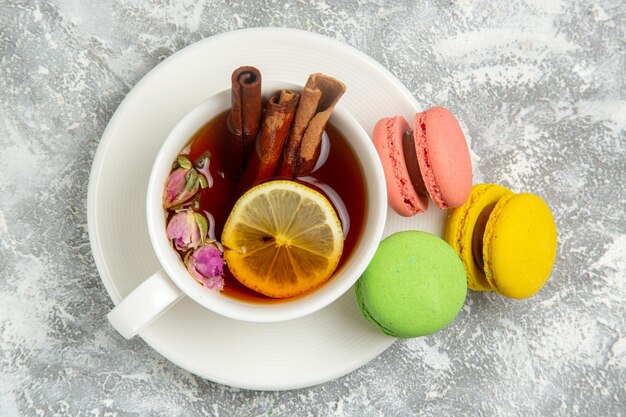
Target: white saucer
{"x":274,"y":356}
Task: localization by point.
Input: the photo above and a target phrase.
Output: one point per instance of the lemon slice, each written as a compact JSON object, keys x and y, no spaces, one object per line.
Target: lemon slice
{"x":282,"y":239}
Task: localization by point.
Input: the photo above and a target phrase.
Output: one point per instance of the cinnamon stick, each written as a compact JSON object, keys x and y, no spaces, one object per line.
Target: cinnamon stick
{"x":321,"y":94}
{"x":245,"y":115}
{"x":279,"y":114}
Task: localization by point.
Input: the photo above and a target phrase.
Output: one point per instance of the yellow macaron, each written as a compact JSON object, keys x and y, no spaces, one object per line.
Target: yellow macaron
{"x":506,"y":241}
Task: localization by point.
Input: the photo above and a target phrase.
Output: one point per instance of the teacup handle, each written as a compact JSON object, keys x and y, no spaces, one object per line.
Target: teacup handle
{"x":145,"y":304}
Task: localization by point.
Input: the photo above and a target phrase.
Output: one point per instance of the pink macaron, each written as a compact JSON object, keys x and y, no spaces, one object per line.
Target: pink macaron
{"x":405,"y":191}
{"x":431,"y":159}
{"x":443,"y":156}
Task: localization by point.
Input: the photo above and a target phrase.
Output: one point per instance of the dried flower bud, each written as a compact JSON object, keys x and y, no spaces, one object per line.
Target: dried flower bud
{"x":176,"y":191}
{"x":206,"y":265}
{"x":183,"y":183}
{"x":187,"y":229}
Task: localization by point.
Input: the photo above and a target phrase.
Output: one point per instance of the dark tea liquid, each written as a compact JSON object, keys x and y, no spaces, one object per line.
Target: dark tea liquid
{"x":341,"y":172}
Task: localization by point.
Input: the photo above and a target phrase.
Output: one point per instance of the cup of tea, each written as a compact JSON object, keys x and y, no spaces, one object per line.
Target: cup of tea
{"x":351,"y":178}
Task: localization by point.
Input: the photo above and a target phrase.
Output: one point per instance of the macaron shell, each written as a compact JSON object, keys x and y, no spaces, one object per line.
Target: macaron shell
{"x":519,"y":245}
{"x":459,"y":230}
{"x":387,"y":138}
{"x":414,"y":286}
{"x":443,"y":156}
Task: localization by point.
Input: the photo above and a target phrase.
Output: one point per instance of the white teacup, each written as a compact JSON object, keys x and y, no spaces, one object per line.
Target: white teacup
{"x":160,"y":291}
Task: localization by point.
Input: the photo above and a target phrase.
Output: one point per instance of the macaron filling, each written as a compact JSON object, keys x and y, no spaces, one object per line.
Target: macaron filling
{"x":412,"y":165}
{"x":478,"y":235}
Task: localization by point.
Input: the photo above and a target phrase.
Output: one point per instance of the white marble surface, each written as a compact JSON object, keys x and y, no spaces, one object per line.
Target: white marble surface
{"x":539,"y":87}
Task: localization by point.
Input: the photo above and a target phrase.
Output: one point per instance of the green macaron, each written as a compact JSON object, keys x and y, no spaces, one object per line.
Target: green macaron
{"x":414,"y":286}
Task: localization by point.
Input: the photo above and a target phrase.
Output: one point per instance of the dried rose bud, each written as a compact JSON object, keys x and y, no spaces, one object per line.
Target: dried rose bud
{"x":182,"y":184}
{"x":187,"y":229}
{"x":206,"y":265}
